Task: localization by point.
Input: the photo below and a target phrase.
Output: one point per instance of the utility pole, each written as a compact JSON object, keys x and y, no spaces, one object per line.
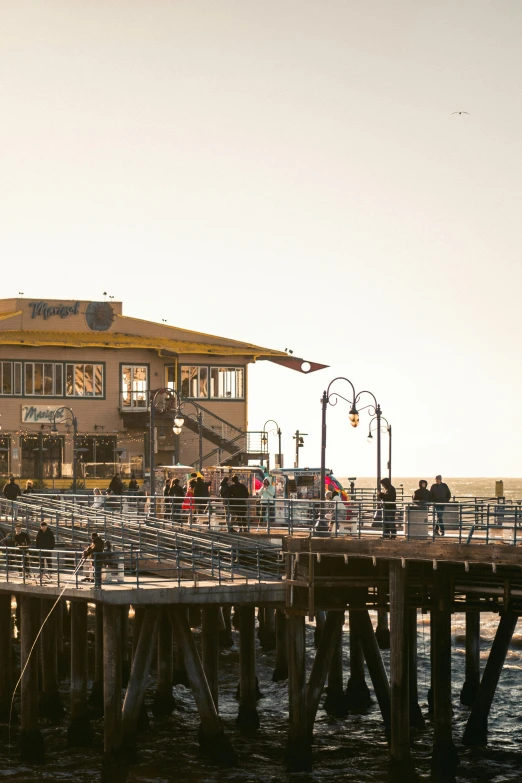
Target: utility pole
{"x":299,"y":443}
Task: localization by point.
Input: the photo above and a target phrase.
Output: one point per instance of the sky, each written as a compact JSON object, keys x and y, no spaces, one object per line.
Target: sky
{"x":288,"y":173}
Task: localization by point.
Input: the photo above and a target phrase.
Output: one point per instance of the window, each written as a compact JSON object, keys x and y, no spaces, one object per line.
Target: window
{"x":42,"y":379}
{"x":41,"y":456}
{"x":10,"y":378}
{"x":134,"y":386}
{"x":194,"y":381}
{"x":5,"y":451}
{"x":170,"y":376}
{"x":227,"y":382}
{"x":84,"y":380}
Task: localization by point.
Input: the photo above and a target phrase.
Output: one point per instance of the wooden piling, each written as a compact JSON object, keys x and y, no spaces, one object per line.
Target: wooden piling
{"x":399,"y":664}
{"x":382,"y":631}
{"x":298,"y":749}
{"x":225,"y":634}
{"x":138,"y":680}
{"x":96,"y":695}
{"x":114,"y":767}
{"x":50,"y":704}
{"x":416,"y":716}
{"x":281,"y":659}
{"x":6,"y":662}
{"x":268,"y":641}
{"x":358,"y":698}
{"x":476,"y":731}
{"x":32,"y":749}
{"x":247,"y":718}
{"x":320,"y":619}
{"x":79,"y":732}
{"x":336,"y":703}
{"x":210,"y":648}
{"x":125,"y":652}
{"x":163,"y":702}
{"x":444,"y":756}
{"x":212,"y":738}
{"x":375,"y":664}
{"x":472,"y":682}
{"x":63,"y":658}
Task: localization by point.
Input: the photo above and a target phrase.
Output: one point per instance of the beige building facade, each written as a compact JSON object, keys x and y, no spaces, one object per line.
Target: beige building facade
{"x":88,"y":359}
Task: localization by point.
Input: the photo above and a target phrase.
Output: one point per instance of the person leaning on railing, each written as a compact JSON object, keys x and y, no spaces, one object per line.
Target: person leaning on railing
{"x":388,"y":497}
{"x":422,"y":495}
{"x":266,"y":495}
{"x":21,"y":539}
{"x":93,"y":552}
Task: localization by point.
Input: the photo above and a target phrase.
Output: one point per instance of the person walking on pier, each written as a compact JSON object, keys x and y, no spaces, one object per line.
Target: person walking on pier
{"x":177,"y":495}
{"x":422,"y":495}
{"x":12,"y":492}
{"x":201,"y":495}
{"x":440,"y":494}
{"x":21,"y":539}
{"x":238,"y":501}
{"x":388,"y":496}
{"x":45,"y":540}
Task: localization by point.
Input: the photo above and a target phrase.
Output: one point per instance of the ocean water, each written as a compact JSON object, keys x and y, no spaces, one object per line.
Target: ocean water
{"x":353,"y":749}
{"x":460,"y":487}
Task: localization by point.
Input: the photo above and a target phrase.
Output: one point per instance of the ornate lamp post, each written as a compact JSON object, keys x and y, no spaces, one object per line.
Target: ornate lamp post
{"x":74,"y":421}
{"x":171,"y":398}
{"x":330,"y":398}
{"x":265,"y":440}
{"x":387,"y":429}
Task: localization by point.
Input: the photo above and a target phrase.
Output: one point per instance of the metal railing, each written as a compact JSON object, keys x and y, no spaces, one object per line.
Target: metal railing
{"x":127,"y":519}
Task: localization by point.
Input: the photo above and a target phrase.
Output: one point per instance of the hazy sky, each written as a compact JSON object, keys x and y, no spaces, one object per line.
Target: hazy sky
{"x":290,"y":174}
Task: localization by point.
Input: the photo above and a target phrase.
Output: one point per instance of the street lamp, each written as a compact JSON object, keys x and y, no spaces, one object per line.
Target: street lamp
{"x":74,"y":422}
{"x":387,"y":429}
{"x":171,"y":397}
{"x":330,"y":398}
{"x":264,"y":438}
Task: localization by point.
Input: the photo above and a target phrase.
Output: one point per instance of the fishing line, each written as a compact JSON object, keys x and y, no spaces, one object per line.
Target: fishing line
{"x":82,"y":561}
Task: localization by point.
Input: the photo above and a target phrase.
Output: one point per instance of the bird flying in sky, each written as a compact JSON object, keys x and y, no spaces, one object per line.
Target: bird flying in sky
{"x":460,"y":112}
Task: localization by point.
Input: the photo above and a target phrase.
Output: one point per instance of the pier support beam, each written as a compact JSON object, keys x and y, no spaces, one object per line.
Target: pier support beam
{"x":444,"y":756}
{"x":114,"y":763}
{"x":268,"y":641}
{"x":210,"y":649}
{"x":358,"y":699}
{"x":281,"y":658}
{"x":32,"y":749}
{"x":6,"y":663}
{"x":247,"y":718}
{"x":375,"y":664}
{"x":79,"y":732}
{"x":416,"y":716}
{"x":298,"y":750}
{"x":399,"y":664}
{"x":472,"y":681}
{"x":212,"y":738}
{"x":50,"y":704}
{"x":335,"y":703}
{"x":163,"y":702}
{"x":125,"y":652}
{"x":179,"y":674}
{"x":322,"y":665}
{"x":320,"y":619}
{"x":225,"y":634}
{"x":138,"y":679}
{"x":476,"y":732}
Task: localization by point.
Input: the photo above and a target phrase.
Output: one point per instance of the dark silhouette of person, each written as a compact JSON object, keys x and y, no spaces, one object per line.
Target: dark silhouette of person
{"x":45,"y":540}
{"x":421,"y":496}
{"x":388,"y":496}
{"x":177,"y":495}
{"x":238,"y":495}
{"x":116,"y":485}
{"x":440,"y":494}
{"x":12,"y":489}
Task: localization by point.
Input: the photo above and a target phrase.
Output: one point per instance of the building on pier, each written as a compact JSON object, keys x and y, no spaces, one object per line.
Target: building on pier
{"x":104,"y":365}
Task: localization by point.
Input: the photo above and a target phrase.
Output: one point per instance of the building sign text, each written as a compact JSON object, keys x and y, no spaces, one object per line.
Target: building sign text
{"x":33,"y":414}
{"x":47,"y":310}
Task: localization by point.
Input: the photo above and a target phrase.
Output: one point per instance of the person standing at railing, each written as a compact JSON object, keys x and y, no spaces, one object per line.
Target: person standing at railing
{"x":45,"y":540}
{"x":167,"y":509}
{"x":388,"y":497}
{"x":440,"y":494}
{"x":422,"y":496}
{"x":266,"y":494}
{"x":133,"y":484}
{"x":21,"y":539}
{"x":92,"y":553}
{"x":177,"y":495}
{"x":201,"y":494}
{"x":28,"y":488}
{"x":116,"y":485}
{"x":188,"y":503}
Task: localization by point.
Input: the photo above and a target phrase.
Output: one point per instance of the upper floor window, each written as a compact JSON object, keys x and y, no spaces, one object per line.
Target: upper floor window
{"x":134,"y":386}
{"x":10,"y":378}
{"x":227,"y":382}
{"x":84,"y":380}
{"x":194,"y":381}
{"x":43,"y":379}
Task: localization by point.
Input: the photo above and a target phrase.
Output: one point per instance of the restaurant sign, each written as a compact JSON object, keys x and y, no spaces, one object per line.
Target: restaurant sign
{"x":34,"y":414}
{"x":47,"y":310}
